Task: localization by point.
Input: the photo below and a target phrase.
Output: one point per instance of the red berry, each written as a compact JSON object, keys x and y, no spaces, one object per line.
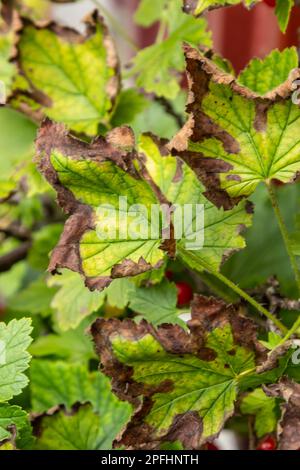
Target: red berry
{"x":169,"y":275}
{"x":268,"y":443}
{"x":184,"y":293}
{"x":211,"y":446}
{"x":271,"y":3}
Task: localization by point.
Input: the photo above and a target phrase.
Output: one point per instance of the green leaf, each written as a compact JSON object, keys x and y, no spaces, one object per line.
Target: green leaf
{"x":72,"y":345}
{"x":149,"y":11}
{"x":100,"y":249}
{"x":157,"y":304}
{"x":73,"y":301}
{"x":33,"y":299}
{"x":273,"y":340}
{"x":56,"y":432}
{"x":75,"y":76}
{"x":156,"y":66}
{"x":197,"y":7}
{"x":78,"y":386}
{"x":247,"y":142}
{"x":265,"y":410}
{"x":283,"y":10}
{"x":262,"y":76}
{"x":11,"y":415}
{"x":44,"y":241}
{"x":189,"y":381}
{"x":120,"y":292}
{"x":14,"y":340}
{"x":130,"y":104}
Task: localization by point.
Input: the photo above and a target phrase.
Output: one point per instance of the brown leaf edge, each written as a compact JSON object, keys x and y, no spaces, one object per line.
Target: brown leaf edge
{"x":289,"y":424}
{"x":189,"y":6}
{"x":207,"y":313}
{"x":201,"y":71}
{"x":20,"y":97}
{"x":118,"y":147}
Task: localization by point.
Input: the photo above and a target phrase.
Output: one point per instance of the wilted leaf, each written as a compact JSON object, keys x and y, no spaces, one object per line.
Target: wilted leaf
{"x":234,"y":137}
{"x":189,"y":382}
{"x":87,"y":177}
{"x":71,"y":78}
{"x":197,"y":7}
{"x":14,"y":358}
{"x":264,"y":408}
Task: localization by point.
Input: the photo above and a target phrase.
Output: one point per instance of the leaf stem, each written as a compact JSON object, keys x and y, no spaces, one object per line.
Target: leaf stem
{"x":284,"y":233}
{"x":119,"y":29}
{"x":290,"y":332}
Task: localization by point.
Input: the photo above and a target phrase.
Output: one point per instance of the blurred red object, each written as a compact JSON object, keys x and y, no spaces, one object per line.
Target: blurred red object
{"x":240,"y":34}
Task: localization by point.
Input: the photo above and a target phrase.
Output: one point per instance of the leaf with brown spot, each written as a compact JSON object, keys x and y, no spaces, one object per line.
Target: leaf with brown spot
{"x":236,"y":138}
{"x":179,"y":392}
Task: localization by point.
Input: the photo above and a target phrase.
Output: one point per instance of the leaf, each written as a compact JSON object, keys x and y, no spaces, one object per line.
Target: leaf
{"x":157,"y":304}
{"x":156,"y":65}
{"x":149,"y":11}
{"x":79,"y":386}
{"x":72,"y":345}
{"x":120,"y":292}
{"x":33,"y":299}
{"x":44,"y":240}
{"x":283,"y":11}
{"x":13,"y":416}
{"x":289,"y":423}
{"x":129,"y":105}
{"x":14,"y":339}
{"x":95,"y":245}
{"x":56,"y":432}
{"x":263,"y":76}
{"x":73,"y":301}
{"x":234,"y":138}
{"x":71,"y":78}
{"x":264,"y":409}
{"x":197,"y":7}
{"x":189,"y":382}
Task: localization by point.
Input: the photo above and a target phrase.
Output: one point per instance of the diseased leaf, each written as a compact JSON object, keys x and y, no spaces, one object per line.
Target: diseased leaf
{"x":14,"y":341}
{"x":71,"y":78}
{"x":289,"y":425}
{"x":73,"y":301}
{"x":265,"y":410}
{"x":189,"y":382}
{"x":88,"y":176}
{"x":197,"y":7}
{"x":12,"y":416}
{"x":263,"y":75}
{"x":79,"y":386}
{"x":156,"y":66}
{"x":234,"y":137}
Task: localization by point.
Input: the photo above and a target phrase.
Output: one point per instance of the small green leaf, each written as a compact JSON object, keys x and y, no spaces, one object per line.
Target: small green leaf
{"x":130,"y":104}
{"x":11,"y":415}
{"x":74,"y":76}
{"x":14,"y":339}
{"x":283,"y":10}
{"x":149,"y":11}
{"x":73,"y":301}
{"x":265,"y":410}
{"x":33,"y":299}
{"x":157,"y":65}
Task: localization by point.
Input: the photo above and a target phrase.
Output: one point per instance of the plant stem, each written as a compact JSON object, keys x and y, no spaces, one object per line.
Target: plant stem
{"x":250,"y":300}
{"x":120,"y":30}
{"x":290,"y":332}
{"x":161,"y":32}
{"x":284,"y":233}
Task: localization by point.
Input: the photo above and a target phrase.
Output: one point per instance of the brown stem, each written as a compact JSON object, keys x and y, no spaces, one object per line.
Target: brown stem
{"x":11,"y":258}
{"x":168,"y":107}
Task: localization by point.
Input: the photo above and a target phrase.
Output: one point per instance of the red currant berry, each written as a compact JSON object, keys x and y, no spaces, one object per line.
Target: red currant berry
{"x":270,"y":3}
{"x":211,"y":446}
{"x":184,"y":293}
{"x":268,"y":443}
